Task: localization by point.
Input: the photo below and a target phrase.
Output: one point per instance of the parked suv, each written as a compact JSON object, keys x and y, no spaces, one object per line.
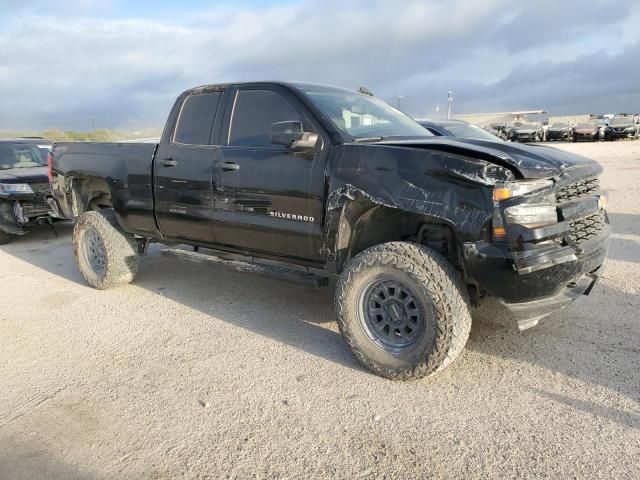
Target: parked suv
{"x":527,"y":132}
{"x":624,"y":127}
{"x":24,"y":187}
{"x":559,"y":131}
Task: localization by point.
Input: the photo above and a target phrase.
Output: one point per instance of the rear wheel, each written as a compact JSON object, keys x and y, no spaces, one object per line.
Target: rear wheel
{"x":106,"y":256}
{"x":403,"y":310}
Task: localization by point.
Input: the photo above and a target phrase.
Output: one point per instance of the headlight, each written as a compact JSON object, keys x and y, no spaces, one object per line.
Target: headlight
{"x":504,"y":191}
{"x":9,"y":188}
{"x":532,"y":215}
{"x":630,"y":129}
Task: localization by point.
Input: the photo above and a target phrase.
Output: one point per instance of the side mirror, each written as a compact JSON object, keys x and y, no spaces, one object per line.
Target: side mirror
{"x":307,"y":142}
{"x":292,"y":134}
{"x":285,"y":133}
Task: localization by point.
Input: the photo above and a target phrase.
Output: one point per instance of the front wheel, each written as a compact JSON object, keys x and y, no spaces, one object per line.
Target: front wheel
{"x":403,"y":310}
{"x":106,"y":256}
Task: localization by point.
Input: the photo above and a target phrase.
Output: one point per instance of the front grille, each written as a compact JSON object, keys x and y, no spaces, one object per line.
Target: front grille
{"x":578,"y":190}
{"x":36,"y":210}
{"x":40,"y":188}
{"x":587,"y":228}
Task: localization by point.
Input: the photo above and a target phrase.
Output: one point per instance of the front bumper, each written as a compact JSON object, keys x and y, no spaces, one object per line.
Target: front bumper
{"x":528,"y":314}
{"x":525,"y":137}
{"x":617,"y":135}
{"x":551,"y":280}
{"x":558,"y":135}
{"x":17,"y":214}
{"x":587,"y":136}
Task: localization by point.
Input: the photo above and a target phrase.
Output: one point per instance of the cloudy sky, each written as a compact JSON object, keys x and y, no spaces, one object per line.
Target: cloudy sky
{"x":64,"y":62}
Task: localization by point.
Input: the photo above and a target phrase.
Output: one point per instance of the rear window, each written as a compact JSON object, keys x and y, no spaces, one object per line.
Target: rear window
{"x":195,"y":122}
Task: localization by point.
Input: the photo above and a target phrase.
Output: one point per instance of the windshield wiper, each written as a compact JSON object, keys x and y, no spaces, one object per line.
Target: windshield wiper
{"x":367,"y":139}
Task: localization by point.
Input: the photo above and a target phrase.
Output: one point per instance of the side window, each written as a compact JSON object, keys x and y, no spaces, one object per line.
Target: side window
{"x":254,"y":112}
{"x":196,"y":118}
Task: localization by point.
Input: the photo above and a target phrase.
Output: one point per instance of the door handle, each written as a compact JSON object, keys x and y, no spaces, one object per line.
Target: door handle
{"x":230,"y":167}
{"x":169,"y":162}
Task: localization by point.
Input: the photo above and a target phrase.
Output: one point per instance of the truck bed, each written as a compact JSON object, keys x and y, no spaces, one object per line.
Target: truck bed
{"x":127,"y":168}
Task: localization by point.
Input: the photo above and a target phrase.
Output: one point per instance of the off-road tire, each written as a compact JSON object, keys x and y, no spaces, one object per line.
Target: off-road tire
{"x":119,"y":259}
{"x":436,"y":284}
{"x":5,"y":238}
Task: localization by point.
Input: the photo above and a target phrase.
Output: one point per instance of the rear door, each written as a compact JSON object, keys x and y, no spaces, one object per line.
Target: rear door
{"x":184,"y":169}
{"x":268,"y":199}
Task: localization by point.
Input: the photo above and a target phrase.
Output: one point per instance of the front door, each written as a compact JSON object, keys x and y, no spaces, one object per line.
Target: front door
{"x":184,"y":171}
{"x":267,"y":198}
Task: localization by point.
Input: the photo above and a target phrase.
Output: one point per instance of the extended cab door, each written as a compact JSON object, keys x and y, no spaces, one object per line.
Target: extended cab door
{"x":268,"y":199}
{"x":184,"y":165}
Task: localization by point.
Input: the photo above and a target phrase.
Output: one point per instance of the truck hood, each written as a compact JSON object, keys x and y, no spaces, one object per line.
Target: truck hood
{"x":24,"y":175}
{"x":527,"y":161}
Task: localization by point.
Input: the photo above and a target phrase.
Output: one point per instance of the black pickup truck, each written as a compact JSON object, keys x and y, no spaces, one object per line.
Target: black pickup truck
{"x":337,"y":183}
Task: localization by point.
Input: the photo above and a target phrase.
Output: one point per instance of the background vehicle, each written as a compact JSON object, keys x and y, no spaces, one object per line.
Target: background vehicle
{"x":337,"y":183}
{"x":559,"y":131}
{"x":624,"y":127}
{"x":44,"y":145}
{"x":458,"y":128}
{"x":24,"y":186}
{"x":499,"y":129}
{"x":591,"y":131}
{"x":527,"y":132}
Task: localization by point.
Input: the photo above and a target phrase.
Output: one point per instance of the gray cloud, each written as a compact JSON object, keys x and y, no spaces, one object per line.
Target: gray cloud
{"x":62,"y":70}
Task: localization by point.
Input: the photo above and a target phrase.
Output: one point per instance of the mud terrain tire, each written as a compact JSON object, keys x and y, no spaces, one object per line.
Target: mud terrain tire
{"x":107,"y":257}
{"x":403,"y":310}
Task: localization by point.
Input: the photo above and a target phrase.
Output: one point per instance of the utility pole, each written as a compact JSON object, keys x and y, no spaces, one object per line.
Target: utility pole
{"x":400,"y":97}
{"x":93,"y":124}
{"x":449,"y":104}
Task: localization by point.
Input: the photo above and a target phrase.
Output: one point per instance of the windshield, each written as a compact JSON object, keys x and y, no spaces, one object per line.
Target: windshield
{"x":621,"y":121}
{"x":586,"y":125}
{"x":473,"y":132}
{"x":362,"y":116}
{"x":20,"y":155}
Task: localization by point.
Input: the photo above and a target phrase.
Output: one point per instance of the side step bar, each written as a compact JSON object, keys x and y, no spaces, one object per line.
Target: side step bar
{"x":240,"y":264}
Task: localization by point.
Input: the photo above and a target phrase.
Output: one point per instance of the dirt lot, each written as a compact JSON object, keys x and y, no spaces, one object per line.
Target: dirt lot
{"x":198,"y":371}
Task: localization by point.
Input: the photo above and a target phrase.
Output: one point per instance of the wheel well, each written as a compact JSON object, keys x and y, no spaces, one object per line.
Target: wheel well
{"x":90,"y":193}
{"x":365,"y":224}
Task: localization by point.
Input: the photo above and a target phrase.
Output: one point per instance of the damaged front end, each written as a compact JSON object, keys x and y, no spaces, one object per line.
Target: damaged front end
{"x":25,"y":207}
{"x":548,"y":247}
{"x":526,"y":225}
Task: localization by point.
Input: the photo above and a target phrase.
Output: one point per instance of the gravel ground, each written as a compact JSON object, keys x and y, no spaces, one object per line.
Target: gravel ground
{"x":198,"y":371}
